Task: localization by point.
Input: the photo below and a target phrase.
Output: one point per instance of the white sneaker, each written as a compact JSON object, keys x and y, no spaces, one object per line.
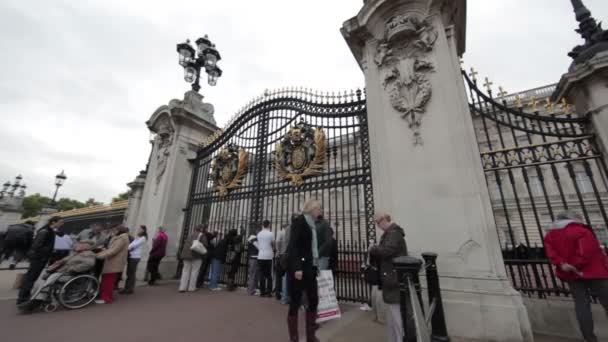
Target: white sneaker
{"x":365,"y":307}
{"x":100,"y":301}
{"x":217,"y":289}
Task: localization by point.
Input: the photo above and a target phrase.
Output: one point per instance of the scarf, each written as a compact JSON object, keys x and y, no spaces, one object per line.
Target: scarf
{"x":314,"y":246}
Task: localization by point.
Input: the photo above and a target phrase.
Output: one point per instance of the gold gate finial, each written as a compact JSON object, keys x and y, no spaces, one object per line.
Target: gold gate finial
{"x":518,"y":101}
{"x":550,"y":106}
{"x":502,"y":92}
{"x":473,"y":74}
{"x":488,"y":85}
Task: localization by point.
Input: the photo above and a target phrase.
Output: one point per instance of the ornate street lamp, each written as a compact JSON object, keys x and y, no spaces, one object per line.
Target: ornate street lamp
{"x":205,"y":56}
{"x":5,"y":187}
{"x":59,"y":180}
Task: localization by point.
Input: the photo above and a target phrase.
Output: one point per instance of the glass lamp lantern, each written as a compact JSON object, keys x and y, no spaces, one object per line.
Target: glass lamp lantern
{"x":212,"y":56}
{"x":60,"y":179}
{"x":202,"y":44}
{"x":214,"y":74}
{"x":186,"y":53}
{"x":190,"y":74}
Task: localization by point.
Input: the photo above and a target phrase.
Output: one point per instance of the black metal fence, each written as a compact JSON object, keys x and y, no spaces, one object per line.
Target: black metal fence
{"x":532,"y":274}
{"x":344,"y":185}
{"x":539,"y":158}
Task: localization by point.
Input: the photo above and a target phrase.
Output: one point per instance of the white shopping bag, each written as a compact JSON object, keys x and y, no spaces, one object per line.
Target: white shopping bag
{"x":328,"y":303}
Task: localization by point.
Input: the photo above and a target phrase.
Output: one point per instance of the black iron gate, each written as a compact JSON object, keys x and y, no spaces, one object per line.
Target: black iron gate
{"x":539,"y":159}
{"x":239,"y":181}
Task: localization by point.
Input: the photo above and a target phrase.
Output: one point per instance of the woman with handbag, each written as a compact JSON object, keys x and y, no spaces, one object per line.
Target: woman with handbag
{"x":192,"y":254}
{"x":302,"y":267}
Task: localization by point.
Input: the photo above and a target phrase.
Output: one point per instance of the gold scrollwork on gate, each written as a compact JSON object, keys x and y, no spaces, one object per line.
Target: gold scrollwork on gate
{"x":301,"y":153}
{"x":229,"y":168}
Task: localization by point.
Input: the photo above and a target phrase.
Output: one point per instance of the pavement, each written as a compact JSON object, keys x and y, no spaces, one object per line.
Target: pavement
{"x":161,"y":314}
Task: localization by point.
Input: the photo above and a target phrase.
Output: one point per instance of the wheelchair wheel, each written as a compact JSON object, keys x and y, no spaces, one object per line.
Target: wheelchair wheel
{"x":78,"y":292}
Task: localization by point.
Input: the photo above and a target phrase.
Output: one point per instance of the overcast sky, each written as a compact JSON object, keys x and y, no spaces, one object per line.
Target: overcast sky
{"x":79,"y":79}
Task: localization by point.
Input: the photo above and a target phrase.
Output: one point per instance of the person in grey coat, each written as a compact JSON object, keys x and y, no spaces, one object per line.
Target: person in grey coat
{"x":392,"y":245}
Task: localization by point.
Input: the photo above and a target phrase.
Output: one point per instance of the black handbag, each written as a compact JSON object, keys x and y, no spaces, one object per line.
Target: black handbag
{"x":370,"y":272}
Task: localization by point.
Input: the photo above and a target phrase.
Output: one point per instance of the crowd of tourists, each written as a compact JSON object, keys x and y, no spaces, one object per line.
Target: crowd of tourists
{"x":106,"y":253}
{"x":285,"y":264}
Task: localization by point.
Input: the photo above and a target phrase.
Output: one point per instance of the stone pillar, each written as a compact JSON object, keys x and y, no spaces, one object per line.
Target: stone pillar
{"x":425,"y":159}
{"x":586,"y":86}
{"x":135,"y":197}
{"x":179,"y":127}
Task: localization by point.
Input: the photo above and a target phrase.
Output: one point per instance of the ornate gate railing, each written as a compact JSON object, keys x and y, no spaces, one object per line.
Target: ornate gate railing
{"x":241,"y":176}
{"x":536,"y":165}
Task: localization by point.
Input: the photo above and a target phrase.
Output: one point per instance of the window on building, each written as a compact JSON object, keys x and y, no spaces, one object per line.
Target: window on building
{"x":602,"y":234}
{"x":583,"y":182}
{"x":535,"y":183}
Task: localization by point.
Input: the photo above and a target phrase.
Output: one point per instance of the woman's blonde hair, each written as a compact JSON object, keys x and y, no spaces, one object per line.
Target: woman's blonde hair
{"x":311,"y":205}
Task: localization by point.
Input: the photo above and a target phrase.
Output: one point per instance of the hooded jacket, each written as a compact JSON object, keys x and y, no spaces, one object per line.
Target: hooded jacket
{"x":392,"y":245}
{"x":574,"y":243}
{"x":159,"y":246}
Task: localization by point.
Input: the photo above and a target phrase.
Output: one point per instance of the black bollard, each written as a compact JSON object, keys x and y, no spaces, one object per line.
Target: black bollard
{"x":407,"y":269}
{"x":439,"y":329}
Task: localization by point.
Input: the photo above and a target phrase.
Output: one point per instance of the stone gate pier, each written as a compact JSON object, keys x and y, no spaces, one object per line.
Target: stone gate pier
{"x":425,"y":159}
{"x":160,"y":193}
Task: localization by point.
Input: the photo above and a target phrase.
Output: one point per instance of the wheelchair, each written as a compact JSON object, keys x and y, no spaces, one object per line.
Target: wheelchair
{"x":71,"y":291}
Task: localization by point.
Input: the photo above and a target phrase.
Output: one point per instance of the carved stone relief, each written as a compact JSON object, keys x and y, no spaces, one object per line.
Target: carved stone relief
{"x":164,"y":141}
{"x":401,"y":57}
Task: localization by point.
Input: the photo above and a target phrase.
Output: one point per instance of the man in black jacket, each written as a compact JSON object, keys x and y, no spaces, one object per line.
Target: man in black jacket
{"x":17,"y":241}
{"x":39,"y":255}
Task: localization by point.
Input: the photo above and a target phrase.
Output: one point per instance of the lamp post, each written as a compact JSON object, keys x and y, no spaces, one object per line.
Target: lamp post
{"x":205,"y":56}
{"x":59,"y":180}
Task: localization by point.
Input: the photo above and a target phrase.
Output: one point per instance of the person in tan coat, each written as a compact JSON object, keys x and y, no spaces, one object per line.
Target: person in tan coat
{"x":115,"y":260}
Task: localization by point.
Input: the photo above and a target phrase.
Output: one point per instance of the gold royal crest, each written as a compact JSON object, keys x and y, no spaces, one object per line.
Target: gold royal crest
{"x":301,"y":153}
{"x":229,"y":168}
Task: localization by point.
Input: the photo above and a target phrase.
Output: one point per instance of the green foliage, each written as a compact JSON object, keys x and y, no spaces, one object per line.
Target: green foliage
{"x":91,"y":202}
{"x":33,"y":204}
{"x":68,"y":204}
{"x":122,"y":196}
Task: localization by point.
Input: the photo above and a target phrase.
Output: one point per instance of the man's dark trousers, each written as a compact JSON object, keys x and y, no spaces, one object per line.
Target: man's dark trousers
{"x":581,"y":290}
{"x":33,"y":272}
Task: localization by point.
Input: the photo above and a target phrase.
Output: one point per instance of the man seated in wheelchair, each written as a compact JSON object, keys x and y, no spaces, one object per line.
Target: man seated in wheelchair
{"x":81,"y":261}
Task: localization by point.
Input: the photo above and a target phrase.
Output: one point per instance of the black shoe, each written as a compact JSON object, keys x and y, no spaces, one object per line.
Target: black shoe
{"x":11,"y":267}
{"x":126,"y":292}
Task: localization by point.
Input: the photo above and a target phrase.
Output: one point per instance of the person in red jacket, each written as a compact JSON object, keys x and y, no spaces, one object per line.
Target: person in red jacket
{"x":579,"y":260}
{"x":157,"y":253}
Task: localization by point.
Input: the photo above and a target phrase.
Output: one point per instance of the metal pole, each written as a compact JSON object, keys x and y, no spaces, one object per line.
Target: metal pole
{"x":407,"y":270}
{"x":53,"y":203}
{"x":439,"y":329}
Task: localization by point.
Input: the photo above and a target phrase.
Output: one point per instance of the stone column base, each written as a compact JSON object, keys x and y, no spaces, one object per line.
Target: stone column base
{"x":486,"y":315}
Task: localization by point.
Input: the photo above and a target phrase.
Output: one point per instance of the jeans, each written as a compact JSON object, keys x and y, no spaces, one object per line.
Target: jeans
{"x":284,"y":292}
{"x":216,"y":271}
{"x":323,"y":263}
{"x":581,"y":290}
{"x":253,"y":276}
{"x":203,"y":273}
{"x":33,"y":272}
{"x":131,"y":271}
